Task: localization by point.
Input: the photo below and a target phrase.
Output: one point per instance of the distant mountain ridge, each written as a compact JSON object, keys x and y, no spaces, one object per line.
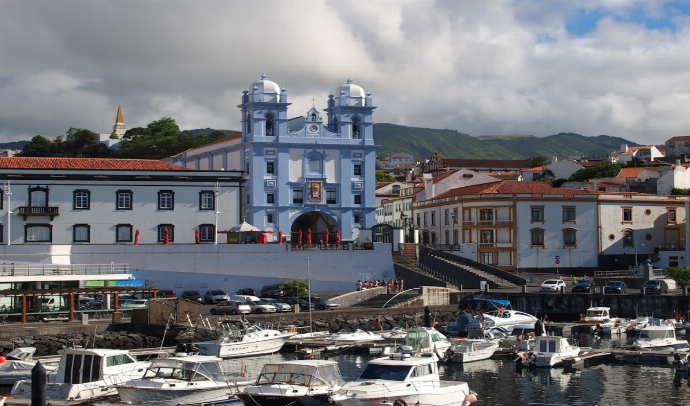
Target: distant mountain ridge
{"x":422,"y":142}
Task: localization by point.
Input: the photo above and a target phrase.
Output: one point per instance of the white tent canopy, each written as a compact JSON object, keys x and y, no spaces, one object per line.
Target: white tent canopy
{"x":244,"y":227}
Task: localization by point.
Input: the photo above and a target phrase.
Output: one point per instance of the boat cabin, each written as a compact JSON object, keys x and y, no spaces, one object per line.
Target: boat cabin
{"x":551,"y":344}
{"x":83,"y":366}
{"x":597,"y":315}
{"x":401,"y":367}
{"x":190,"y":368}
{"x":303,"y":372}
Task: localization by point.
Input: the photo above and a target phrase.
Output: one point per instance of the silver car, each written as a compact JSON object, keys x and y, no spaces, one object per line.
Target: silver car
{"x":280,"y":306}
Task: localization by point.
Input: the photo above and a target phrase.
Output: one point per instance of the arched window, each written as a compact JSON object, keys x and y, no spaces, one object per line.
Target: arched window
{"x":447,"y":234}
{"x":628,"y":238}
{"x":537,"y":237}
{"x":249,"y":123}
{"x":269,"y":124}
{"x":335,"y":125}
{"x":569,"y":237}
{"x":313,"y":116}
{"x":433,"y":237}
{"x":355,"y":127}
{"x":455,"y":237}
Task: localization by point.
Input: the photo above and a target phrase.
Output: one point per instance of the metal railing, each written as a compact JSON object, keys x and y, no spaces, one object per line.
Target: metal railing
{"x":55,"y":269}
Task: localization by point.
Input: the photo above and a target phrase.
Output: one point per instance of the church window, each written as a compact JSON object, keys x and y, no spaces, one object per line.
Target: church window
{"x":355,"y":127}
{"x":269,"y":167}
{"x":249,"y":123}
{"x":331,"y":196}
{"x":297,"y":195}
{"x":358,"y":170}
{"x":358,"y":199}
{"x":313,"y":116}
{"x":269,"y":124}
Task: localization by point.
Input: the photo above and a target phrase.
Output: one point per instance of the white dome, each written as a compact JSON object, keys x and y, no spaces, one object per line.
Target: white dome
{"x":266,"y":87}
{"x":354,"y":94}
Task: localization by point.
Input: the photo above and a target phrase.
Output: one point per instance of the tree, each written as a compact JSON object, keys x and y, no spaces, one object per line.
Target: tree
{"x":547,"y":177}
{"x":678,"y":274}
{"x":382,"y":176}
{"x":536,"y":161}
{"x":293,"y":289}
{"x":39,"y":146}
{"x":597,"y":171}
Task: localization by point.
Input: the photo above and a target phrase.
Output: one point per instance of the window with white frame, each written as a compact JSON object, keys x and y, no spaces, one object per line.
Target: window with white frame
{"x":207,"y":232}
{"x":81,"y":200}
{"x":331,"y":196}
{"x":123,"y":199}
{"x":486,"y":236}
{"x":166,"y":200}
{"x":297,"y":195}
{"x":270,"y":198}
{"x":207,"y":200}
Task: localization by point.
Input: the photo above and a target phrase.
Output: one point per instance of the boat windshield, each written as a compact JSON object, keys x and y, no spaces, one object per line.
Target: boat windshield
{"x":597,"y":313}
{"x":305,"y":375}
{"x":387,"y":372}
{"x":656,"y":334}
{"x":186,"y":371}
{"x":416,"y":339}
{"x":347,"y":331}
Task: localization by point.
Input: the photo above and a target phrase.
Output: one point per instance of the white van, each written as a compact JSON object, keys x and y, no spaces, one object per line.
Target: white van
{"x":671,"y":283}
{"x":257,"y":305}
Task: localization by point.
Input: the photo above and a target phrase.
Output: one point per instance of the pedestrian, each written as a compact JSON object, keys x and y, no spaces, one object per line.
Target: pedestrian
{"x":359,"y":284}
{"x":389,"y":286}
{"x":402,"y":284}
{"x":574,"y":280}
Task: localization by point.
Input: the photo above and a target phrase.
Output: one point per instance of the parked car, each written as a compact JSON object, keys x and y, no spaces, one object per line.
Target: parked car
{"x":81,"y":305}
{"x":246,"y":291}
{"x":654,"y":286}
{"x":214,"y":296}
{"x":136,"y":304}
{"x":616,"y":287}
{"x":230,"y":307}
{"x":95,"y":304}
{"x":552,"y":285}
{"x":269,"y":291}
{"x":166,"y":293}
{"x":584,"y":286}
{"x":304,"y":306}
{"x":192,"y":295}
{"x":321,"y":303}
{"x":121,"y":302}
{"x":259,"y":306}
{"x":279,"y":304}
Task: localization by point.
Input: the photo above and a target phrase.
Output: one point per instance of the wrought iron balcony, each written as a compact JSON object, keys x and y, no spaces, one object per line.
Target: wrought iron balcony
{"x":26,"y":211}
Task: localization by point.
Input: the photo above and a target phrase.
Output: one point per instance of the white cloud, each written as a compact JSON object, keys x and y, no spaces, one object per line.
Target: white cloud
{"x":478,"y":67}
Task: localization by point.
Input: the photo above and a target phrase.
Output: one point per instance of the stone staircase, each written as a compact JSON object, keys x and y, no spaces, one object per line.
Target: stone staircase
{"x":407,"y":258}
{"x":496,"y":281}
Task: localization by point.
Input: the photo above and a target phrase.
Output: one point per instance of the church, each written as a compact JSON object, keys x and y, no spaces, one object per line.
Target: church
{"x":309,"y":175}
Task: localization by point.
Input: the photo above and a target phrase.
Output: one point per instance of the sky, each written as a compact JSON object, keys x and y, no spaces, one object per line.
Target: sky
{"x":481,"y":67}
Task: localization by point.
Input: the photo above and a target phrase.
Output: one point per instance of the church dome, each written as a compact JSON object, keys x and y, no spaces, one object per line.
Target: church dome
{"x":354,"y":95}
{"x":269,"y":90}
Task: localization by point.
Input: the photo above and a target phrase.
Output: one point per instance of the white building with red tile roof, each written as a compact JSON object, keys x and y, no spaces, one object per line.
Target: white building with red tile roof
{"x":113,"y":201}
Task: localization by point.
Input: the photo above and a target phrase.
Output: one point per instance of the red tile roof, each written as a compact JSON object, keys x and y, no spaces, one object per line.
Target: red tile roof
{"x":679,"y":138}
{"x":509,"y":187}
{"x":89,"y":164}
{"x":629,"y":172}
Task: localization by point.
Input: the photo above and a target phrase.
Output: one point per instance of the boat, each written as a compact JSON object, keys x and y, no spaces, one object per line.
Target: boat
{"x":403,"y":379}
{"x":597,"y":314}
{"x":182,"y":380}
{"x":240,"y":338}
{"x":612,"y":327}
{"x":549,"y":351}
{"x":2,"y":400}
{"x":84,"y":374}
{"x":289,"y":382}
{"x":660,"y":337}
{"x":464,"y":351}
{"x":17,"y":365}
{"x":354,"y":336}
{"x":425,"y":341}
{"x":396,"y":334}
{"x":498,"y":313}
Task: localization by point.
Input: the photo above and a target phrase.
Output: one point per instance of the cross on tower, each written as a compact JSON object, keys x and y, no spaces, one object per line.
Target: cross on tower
{"x":313,"y":100}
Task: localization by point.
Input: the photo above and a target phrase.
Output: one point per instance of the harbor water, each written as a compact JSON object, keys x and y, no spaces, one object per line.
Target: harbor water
{"x":498,"y":383}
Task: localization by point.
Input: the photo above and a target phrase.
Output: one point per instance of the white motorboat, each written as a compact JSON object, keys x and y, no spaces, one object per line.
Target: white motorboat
{"x":597,"y":314}
{"x":240,"y":339}
{"x":549,"y":351}
{"x":507,"y":318}
{"x":424,"y":340}
{"x":494,"y":312}
{"x":612,"y":327}
{"x":405,"y":379}
{"x":353,"y":336}
{"x":84,"y":374}
{"x":182,"y":380}
{"x":2,"y":400}
{"x":660,"y":337}
{"x":396,"y":334}
{"x":288,"y":382}
{"x":18,"y":364}
{"x":464,"y":351}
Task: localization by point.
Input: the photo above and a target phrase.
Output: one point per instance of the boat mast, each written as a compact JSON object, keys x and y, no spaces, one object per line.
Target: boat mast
{"x":311,"y":327}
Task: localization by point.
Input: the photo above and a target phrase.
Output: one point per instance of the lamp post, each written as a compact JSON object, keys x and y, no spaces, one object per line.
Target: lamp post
{"x":216,"y":195}
{"x":8,"y":193}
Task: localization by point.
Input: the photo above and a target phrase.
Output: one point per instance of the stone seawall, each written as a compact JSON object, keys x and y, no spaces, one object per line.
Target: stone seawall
{"x":135,"y":335}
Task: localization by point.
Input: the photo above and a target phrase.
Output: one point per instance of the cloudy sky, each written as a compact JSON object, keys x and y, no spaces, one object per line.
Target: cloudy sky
{"x":616,"y":67}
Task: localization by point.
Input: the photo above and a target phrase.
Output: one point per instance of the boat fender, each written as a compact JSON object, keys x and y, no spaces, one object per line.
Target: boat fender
{"x":471,"y":397}
{"x":400,"y":402}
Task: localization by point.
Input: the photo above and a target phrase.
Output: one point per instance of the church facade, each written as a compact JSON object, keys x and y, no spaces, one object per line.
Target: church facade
{"x":313,"y":173}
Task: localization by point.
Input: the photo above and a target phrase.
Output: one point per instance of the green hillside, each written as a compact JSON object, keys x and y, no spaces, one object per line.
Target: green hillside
{"x":421,"y":142}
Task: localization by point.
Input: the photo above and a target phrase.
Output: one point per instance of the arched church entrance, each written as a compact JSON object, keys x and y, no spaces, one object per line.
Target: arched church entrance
{"x":314,"y":223}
